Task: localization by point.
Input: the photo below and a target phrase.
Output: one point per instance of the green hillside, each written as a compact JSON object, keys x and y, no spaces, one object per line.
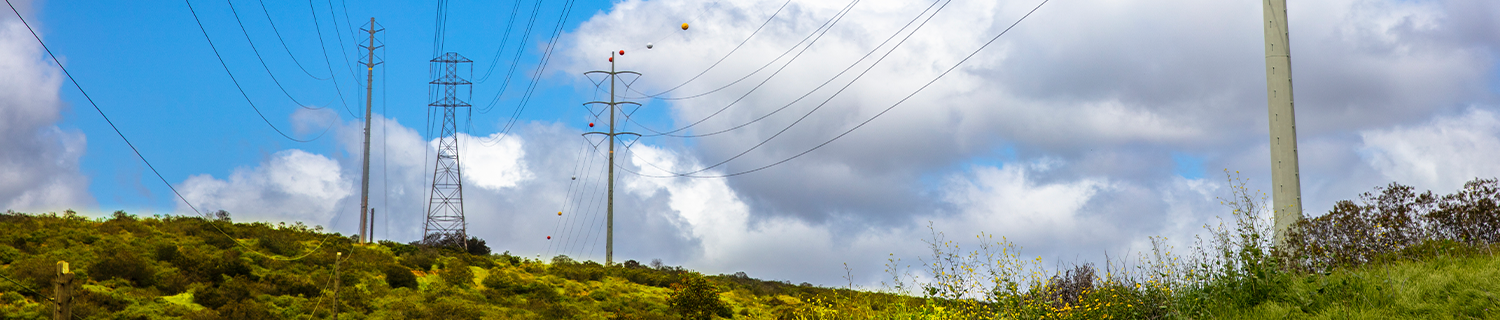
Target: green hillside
{"x":177,"y":267}
{"x":1397,"y":254}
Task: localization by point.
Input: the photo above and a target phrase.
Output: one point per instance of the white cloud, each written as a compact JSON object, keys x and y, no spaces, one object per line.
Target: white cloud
{"x":39,"y":167}
{"x":495,"y":161}
{"x":293,"y":185}
{"x":1439,"y":155}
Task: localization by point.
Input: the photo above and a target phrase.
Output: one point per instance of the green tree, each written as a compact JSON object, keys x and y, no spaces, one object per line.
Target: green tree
{"x":695,"y":298}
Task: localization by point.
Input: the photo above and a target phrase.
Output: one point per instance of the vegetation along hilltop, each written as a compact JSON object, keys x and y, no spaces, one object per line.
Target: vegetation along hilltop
{"x":1394,"y":254}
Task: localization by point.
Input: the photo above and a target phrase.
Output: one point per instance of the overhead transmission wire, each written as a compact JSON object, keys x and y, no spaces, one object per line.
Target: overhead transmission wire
{"x":856,"y":127}
{"x":437,"y":34}
{"x":531,"y":22}
{"x":671,"y":133}
{"x":288,"y":48}
{"x":242,"y":89}
{"x":716,"y":63}
{"x":582,"y":209}
{"x":568,"y":197}
{"x":536,"y":77}
{"x":133,"y":149}
{"x":825,"y":101}
{"x":343,"y":49}
{"x":504,"y":39}
{"x":826,"y":24}
{"x":579,"y":162}
{"x":318,"y":27}
{"x":263,"y":64}
{"x":591,"y":237}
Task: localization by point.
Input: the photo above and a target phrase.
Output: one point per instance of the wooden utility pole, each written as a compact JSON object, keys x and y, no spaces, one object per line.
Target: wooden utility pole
{"x":336,"y":258}
{"x":1286,"y":179}
{"x":62,"y":292}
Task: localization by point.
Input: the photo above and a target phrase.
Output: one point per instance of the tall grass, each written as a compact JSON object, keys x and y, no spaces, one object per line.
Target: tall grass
{"x":1399,"y":255}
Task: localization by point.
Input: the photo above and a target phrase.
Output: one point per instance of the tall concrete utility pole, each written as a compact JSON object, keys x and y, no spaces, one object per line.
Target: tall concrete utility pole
{"x":364,"y":186}
{"x":609,"y":242}
{"x":1285,"y":177}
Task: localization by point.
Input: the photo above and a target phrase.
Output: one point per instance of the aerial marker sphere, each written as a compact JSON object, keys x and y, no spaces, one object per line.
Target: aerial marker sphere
{"x":648,"y":45}
{"x":591,"y":124}
{"x":622,"y":52}
{"x":559,"y":213}
{"x":549,"y":237}
{"x":611,"y":59}
{"x":684,"y":26}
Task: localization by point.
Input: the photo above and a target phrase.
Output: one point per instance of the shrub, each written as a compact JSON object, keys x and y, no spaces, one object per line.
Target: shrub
{"x":399,"y":277}
{"x":698,"y":299}
{"x":457,"y":273}
{"x":1392,"y":219}
{"x":235,"y":289}
{"x":125,"y":265}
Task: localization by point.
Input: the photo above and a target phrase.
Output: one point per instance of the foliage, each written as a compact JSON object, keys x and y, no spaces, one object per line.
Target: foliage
{"x":695,"y":298}
{"x":1396,"y":254}
{"x":397,"y":276}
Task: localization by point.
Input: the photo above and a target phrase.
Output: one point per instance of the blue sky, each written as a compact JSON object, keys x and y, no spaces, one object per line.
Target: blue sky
{"x":153,"y":72}
{"x":1090,"y":127}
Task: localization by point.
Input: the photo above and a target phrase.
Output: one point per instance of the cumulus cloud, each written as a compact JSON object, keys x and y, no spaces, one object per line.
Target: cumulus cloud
{"x":39,"y":169}
{"x":1066,"y":126}
{"x":293,"y":185}
{"x":1061,"y":136}
{"x":1439,"y":155}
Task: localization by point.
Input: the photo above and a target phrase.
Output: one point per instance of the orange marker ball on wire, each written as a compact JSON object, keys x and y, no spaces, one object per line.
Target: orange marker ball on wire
{"x":559,"y":213}
{"x":684,"y":26}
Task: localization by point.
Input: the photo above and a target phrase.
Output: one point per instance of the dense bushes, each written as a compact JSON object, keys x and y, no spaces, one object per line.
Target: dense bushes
{"x":1396,"y":222}
{"x":397,"y":276}
{"x":125,"y":265}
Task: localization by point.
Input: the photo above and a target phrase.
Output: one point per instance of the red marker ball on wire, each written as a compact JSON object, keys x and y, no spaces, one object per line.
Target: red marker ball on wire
{"x":591,"y":124}
{"x":622,"y":52}
{"x":611,"y":59}
{"x":549,"y":237}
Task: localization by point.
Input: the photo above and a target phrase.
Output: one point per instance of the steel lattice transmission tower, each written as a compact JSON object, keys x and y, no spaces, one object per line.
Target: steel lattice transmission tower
{"x":609,"y":244}
{"x":445,"y":208}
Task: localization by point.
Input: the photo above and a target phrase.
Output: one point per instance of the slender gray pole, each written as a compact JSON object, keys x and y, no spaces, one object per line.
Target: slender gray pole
{"x":609,"y":242}
{"x":1285,"y":177}
{"x":364,"y":184}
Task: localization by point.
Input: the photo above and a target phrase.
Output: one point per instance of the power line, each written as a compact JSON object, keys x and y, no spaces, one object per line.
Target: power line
{"x":535,"y":79}
{"x":670,"y":133}
{"x":284,"y":46}
{"x":568,"y":197}
{"x":726,"y":56}
{"x":827,"y":24}
{"x":856,"y":127}
{"x":268,"y":67}
{"x":318,"y":27}
{"x":825,"y":101}
{"x":504,"y":39}
{"x":515,"y":61}
{"x":237,"y":82}
{"x":127,"y":140}
{"x":340,"y":35}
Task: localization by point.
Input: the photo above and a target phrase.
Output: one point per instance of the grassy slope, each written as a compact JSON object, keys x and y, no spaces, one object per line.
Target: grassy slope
{"x":162,"y":268}
{"x":1440,"y":287}
{"x":169,"y":267}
